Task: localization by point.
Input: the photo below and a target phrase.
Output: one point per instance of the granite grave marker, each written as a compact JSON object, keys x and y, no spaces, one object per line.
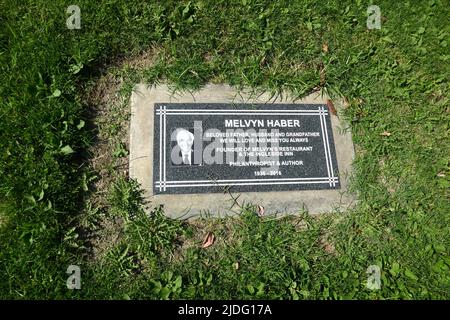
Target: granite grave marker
{"x":210,"y":147}
{"x":216,"y":149}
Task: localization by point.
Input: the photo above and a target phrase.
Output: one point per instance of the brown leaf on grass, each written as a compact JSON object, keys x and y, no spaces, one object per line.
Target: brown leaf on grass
{"x":236,"y":265}
{"x":325,"y":47}
{"x":209,"y":240}
{"x":322,"y":74}
{"x":323,"y":78}
{"x":331,"y":107}
{"x":328,"y":246}
{"x":385,"y":133}
{"x":260,"y":211}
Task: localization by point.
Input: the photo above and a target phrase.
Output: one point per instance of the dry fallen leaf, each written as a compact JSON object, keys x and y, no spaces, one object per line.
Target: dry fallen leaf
{"x":441,"y":175}
{"x":322,"y":74}
{"x":325,"y":47}
{"x":331,"y":107}
{"x":329,"y":247}
{"x":260,"y":211}
{"x":386,"y":133}
{"x":209,"y":240}
{"x":322,"y":78}
{"x":236,"y":265}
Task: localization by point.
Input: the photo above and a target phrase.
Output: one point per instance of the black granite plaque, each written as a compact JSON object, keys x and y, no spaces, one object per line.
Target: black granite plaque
{"x":215,"y":147}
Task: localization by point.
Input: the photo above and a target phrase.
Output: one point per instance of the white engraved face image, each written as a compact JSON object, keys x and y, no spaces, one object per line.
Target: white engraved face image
{"x":185,"y":140}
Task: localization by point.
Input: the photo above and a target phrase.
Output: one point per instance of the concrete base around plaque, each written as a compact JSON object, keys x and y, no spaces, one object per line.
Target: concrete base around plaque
{"x":222,"y":204}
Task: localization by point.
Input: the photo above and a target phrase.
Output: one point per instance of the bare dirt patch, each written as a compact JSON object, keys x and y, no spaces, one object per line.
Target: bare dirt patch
{"x":109,"y":114}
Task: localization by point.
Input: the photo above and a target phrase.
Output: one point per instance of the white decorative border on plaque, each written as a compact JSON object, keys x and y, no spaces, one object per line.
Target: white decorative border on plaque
{"x":162,"y":184}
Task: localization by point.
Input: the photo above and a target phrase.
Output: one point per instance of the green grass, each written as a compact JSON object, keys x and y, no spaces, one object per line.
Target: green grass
{"x":396,"y":82}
